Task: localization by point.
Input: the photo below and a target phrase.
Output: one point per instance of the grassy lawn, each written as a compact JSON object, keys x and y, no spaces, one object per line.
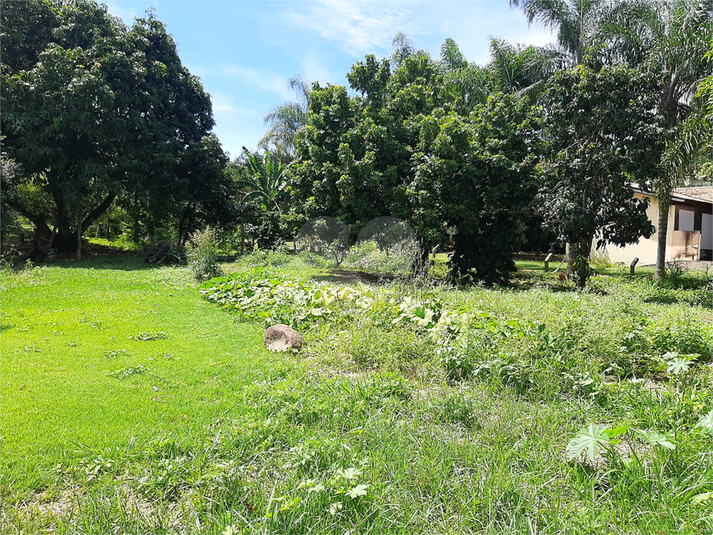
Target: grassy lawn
{"x":132,"y":404}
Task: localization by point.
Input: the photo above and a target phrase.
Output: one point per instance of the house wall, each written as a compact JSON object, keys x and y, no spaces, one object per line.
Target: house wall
{"x":645,"y":249}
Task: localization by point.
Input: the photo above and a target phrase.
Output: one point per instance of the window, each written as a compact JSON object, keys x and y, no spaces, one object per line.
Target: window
{"x":686,"y":219}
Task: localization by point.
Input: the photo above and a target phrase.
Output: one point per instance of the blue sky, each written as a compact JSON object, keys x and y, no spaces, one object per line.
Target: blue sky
{"x":245,"y":51}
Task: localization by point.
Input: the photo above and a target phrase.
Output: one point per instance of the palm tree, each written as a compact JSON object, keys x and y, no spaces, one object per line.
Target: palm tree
{"x":263,"y":182}
{"x":284,"y":121}
{"x":670,"y":38}
{"x":266,"y":182}
{"x":402,"y":47}
{"x":520,"y":69}
{"x":575,"y":21}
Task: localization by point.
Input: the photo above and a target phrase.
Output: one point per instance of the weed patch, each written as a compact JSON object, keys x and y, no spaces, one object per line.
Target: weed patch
{"x":414,"y":408}
{"x":147,"y":336}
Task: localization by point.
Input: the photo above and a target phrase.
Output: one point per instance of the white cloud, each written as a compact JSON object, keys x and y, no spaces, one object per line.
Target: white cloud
{"x":360,"y":27}
{"x":224,"y":105}
{"x":265,"y":80}
{"x":313,"y":69}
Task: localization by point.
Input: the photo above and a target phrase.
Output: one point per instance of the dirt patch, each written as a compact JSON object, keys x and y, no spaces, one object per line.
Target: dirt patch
{"x":347,"y":275}
{"x":46,"y":503}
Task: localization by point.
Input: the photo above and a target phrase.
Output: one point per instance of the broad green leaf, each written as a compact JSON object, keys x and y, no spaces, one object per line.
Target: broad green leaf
{"x":319,"y":487}
{"x":590,"y":440}
{"x":700,"y":498}
{"x":678,"y":365}
{"x":656,"y":439}
{"x":359,"y":490}
{"x":620,"y":430}
{"x":335,"y":508}
{"x":706,"y":423}
{"x":349,"y":473}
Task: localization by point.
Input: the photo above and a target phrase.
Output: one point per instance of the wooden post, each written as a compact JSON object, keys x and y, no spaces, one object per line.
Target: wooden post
{"x":632,"y":266}
{"x":547,"y":261}
{"x":79,"y":241}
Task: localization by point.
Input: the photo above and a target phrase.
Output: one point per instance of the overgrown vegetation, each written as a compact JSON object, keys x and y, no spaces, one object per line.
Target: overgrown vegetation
{"x":412,"y":408}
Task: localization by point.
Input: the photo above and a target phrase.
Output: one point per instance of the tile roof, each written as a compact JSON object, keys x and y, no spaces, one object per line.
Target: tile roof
{"x":696,"y":193}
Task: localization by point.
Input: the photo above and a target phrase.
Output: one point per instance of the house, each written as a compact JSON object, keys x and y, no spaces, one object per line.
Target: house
{"x":690,"y":229}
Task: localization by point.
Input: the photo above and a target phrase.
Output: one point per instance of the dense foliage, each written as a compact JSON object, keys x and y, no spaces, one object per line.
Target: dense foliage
{"x":602,"y":135}
{"x":96,"y":112}
{"x":406,"y":148}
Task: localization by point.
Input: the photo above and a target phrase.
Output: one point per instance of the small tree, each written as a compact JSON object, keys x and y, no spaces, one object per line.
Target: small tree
{"x":327,"y":235}
{"x":264,"y":184}
{"x":600,"y":130}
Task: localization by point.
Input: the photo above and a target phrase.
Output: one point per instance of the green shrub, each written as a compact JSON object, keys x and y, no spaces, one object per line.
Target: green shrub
{"x":203,"y":256}
{"x":684,"y":337}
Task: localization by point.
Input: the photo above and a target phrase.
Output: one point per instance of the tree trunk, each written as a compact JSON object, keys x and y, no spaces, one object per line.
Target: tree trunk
{"x":67,"y":236}
{"x":184,"y":225}
{"x":40,"y":224}
{"x":421,"y":263}
{"x":99,"y":211}
{"x":661,"y":240}
{"x":582,"y":270}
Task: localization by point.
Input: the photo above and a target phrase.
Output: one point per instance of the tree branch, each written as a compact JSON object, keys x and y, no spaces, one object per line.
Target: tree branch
{"x":37,"y":220}
{"x":97,"y":212}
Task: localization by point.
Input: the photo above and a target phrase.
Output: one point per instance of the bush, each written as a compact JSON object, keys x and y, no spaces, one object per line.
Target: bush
{"x":203,"y":256}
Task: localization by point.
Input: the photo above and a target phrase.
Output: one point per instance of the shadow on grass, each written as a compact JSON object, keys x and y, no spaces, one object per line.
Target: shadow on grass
{"x":129,"y":261}
{"x":350,"y":275}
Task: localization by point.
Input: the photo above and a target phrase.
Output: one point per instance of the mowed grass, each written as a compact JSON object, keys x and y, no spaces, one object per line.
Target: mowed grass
{"x":67,"y":328}
{"x":130,"y":404}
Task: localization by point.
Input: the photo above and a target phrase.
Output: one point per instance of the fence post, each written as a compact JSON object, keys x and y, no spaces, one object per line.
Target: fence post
{"x":547,"y":261}
{"x":632,"y":266}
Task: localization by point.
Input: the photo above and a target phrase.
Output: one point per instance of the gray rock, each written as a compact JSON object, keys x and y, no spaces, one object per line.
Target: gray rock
{"x":282,"y":337}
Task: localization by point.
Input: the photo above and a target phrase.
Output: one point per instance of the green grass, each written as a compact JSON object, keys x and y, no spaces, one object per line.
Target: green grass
{"x":65,"y":328}
{"x":130,"y":404}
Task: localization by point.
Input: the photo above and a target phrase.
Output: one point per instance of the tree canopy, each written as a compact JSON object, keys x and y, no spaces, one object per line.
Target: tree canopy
{"x":601,"y":131}
{"x":95,"y":111}
{"x":404,"y":147}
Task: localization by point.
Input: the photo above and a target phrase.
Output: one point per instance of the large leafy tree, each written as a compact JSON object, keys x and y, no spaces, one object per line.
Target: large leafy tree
{"x":475,"y":175}
{"x":405,"y":147}
{"x":670,"y":39}
{"x":95,"y":111}
{"x":601,"y":131}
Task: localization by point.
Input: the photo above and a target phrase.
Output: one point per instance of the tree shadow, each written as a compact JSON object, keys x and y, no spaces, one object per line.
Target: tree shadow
{"x":129,"y":261}
{"x":349,"y":275}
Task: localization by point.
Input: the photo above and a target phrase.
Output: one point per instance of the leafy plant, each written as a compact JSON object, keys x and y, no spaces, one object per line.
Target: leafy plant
{"x":706,"y":423}
{"x":590,"y":440}
{"x":656,"y":439}
{"x":203,"y":256}
{"x":593,"y":439}
{"x":130,"y":371}
{"x":678,"y":364}
{"x":147,"y":336}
